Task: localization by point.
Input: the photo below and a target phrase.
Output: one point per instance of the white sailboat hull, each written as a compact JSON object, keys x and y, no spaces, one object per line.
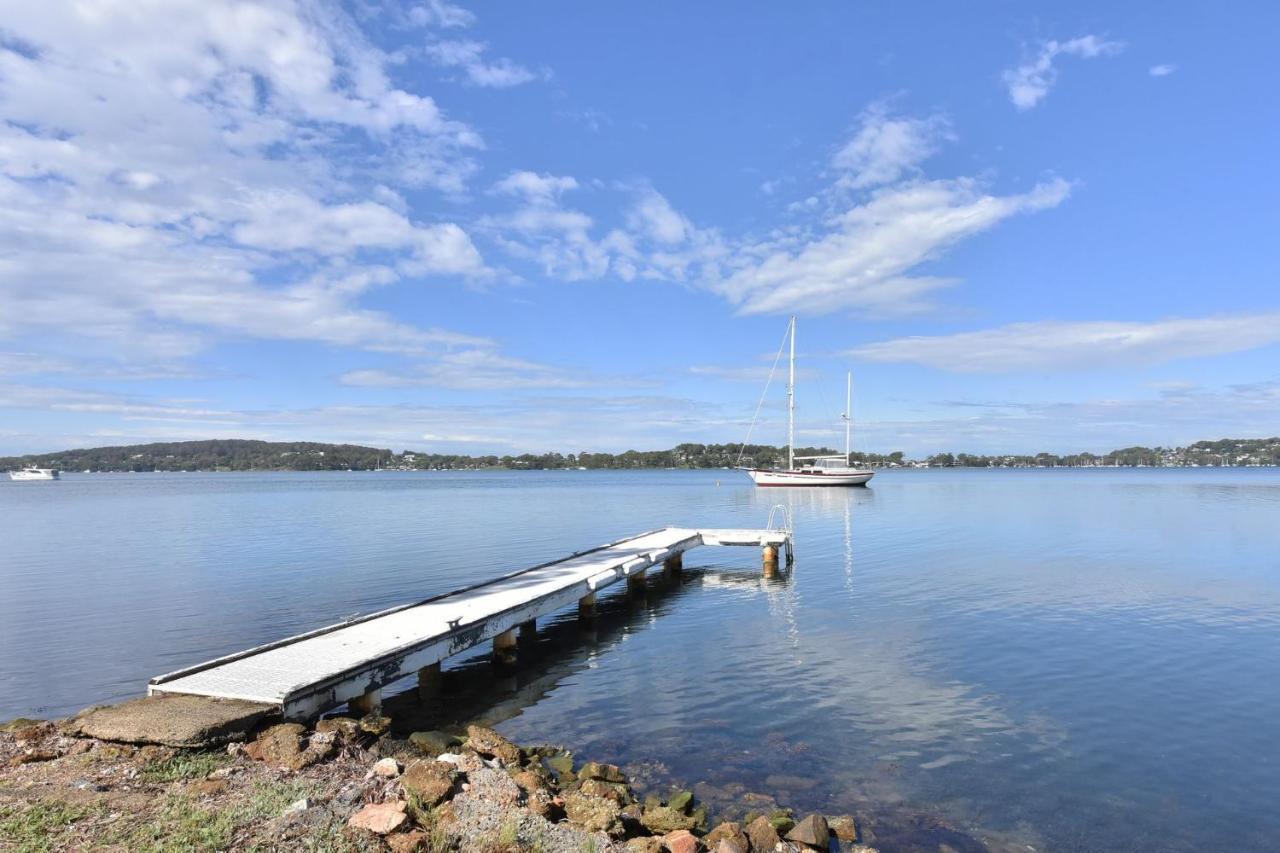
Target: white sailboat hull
{"x":808,"y":477}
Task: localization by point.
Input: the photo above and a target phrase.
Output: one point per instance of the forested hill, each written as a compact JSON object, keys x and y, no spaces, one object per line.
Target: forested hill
{"x":217,"y":455}
{"x":245,"y":455}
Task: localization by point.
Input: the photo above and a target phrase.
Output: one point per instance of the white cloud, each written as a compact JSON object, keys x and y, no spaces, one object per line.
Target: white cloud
{"x":1081,"y":345}
{"x":1030,"y":82}
{"x":437,"y":13}
{"x":481,"y":368}
{"x":1162,"y":70}
{"x":886,"y":147}
{"x":864,"y":257}
{"x":468,"y":55}
{"x":174,"y":171}
{"x":871,"y":228}
{"x":535,"y":187}
{"x":654,"y":217}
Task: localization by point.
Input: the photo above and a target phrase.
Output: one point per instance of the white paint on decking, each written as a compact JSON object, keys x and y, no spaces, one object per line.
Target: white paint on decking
{"x":311,"y":672}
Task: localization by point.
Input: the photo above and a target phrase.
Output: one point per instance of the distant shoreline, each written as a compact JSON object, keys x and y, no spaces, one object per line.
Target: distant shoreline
{"x":259,"y":456}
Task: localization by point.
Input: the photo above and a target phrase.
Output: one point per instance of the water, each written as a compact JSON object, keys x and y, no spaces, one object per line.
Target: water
{"x":1073,"y":660}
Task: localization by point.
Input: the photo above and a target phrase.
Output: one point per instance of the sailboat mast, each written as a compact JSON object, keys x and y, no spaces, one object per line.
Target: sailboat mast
{"x":848,"y":412}
{"x":791,"y":402}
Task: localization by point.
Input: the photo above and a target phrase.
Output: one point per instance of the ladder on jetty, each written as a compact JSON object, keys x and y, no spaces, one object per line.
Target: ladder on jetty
{"x":351,"y":661}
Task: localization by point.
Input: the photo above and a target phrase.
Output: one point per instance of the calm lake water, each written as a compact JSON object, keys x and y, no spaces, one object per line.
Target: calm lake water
{"x":1071,"y":660}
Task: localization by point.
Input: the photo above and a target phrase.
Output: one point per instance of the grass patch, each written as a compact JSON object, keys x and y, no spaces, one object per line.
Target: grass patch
{"x":38,"y":827}
{"x":184,"y":765}
{"x":183,"y":825}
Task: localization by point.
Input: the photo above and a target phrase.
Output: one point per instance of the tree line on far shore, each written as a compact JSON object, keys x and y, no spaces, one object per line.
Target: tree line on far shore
{"x":249,"y":455}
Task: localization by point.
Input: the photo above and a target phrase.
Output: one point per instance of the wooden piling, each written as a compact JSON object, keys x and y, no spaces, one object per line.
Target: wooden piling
{"x":430,"y":682}
{"x":770,"y":561}
{"x":504,"y":647}
{"x":587,"y":606}
{"x":369,"y":703}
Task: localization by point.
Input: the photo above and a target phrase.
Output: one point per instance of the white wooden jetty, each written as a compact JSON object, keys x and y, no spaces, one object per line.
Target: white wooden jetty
{"x":350,"y":662}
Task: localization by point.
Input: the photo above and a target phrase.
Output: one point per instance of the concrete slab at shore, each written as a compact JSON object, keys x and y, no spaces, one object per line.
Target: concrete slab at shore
{"x":174,"y":720}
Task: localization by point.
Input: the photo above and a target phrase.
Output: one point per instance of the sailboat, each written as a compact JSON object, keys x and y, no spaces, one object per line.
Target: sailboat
{"x":830,"y":470}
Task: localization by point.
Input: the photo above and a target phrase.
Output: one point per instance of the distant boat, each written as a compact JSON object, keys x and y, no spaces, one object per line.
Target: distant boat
{"x":832,"y":470}
{"x":34,"y":474}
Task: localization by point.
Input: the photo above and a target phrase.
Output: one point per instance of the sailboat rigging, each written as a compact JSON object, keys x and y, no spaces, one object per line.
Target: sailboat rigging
{"x":828,"y":470}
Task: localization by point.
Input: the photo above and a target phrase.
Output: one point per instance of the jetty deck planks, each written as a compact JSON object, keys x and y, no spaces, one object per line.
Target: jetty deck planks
{"x":309,"y":673}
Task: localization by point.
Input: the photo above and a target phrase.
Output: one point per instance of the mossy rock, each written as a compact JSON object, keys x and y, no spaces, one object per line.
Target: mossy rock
{"x":434,"y":743}
{"x":681,"y":801}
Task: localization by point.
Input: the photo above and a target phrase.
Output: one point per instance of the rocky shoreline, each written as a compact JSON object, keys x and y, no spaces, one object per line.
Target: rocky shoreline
{"x":352,"y":785}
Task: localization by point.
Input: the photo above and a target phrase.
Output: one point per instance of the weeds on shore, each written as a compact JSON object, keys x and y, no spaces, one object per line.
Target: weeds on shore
{"x":183,"y":766}
{"x":36,"y":828}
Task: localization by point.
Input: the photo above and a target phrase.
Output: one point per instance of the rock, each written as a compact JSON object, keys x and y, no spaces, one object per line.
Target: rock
{"x":490,"y":744}
{"x":699,"y":817}
{"x":375,"y":724}
{"x":681,"y":801}
{"x":380,"y":818}
{"x":351,"y":794}
{"x":433,"y":743}
{"x":531,"y":781}
{"x":664,"y":819}
{"x":595,"y":814}
{"x":297,"y":806}
{"x":731,"y":845}
{"x":728,"y":832}
{"x":682,"y":841}
{"x":615,"y":791}
{"x":646,"y":845}
{"x":494,"y":786}
{"x":539,"y":798}
{"x":782,"y":821}
{"x":346,"y":728}
{"x":812,"y":832}
{"x":281,"y":746}
{"x":844,"y":827}
{"x":431,"y":782}
{"x":603,"y":772}
{"x":762,"y":835}
{"x":409,"y":842}
{"x":173,"y":719}
{"x":387,"y":768}
{"x":562,"y":766}
{"x":319,"y":747}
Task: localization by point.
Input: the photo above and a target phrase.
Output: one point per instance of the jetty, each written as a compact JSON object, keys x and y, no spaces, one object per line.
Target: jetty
{"x":303,"y":676}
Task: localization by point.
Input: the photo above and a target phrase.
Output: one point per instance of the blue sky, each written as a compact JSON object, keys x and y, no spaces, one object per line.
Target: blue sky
{"x":553,"y":226}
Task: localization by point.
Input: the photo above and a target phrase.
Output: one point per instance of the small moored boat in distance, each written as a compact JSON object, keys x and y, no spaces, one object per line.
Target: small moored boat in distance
{"x":830,"y":470}
{"x":33,"y":473}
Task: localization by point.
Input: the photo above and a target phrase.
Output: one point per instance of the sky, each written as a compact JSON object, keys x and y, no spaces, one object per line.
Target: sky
{"x":531,"y":227}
